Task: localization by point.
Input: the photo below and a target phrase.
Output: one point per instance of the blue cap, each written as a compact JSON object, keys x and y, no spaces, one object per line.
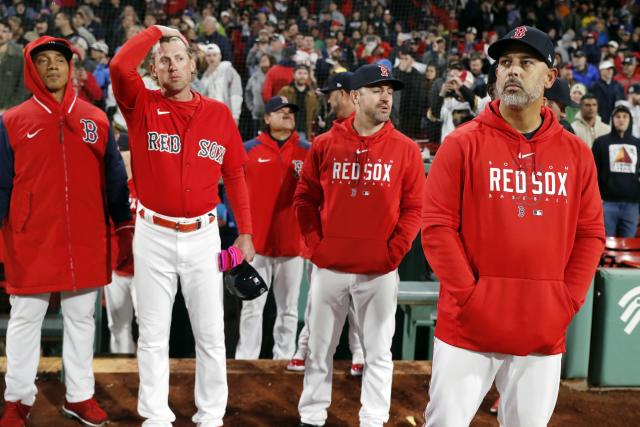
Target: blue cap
{"x":278,"y":102}
{"x":339,"y":81}
{"x":374,"y":74}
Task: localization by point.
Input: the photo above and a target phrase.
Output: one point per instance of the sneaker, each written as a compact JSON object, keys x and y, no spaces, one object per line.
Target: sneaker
{"x":87,"y":412}
{"x":494,"y":407}
{"x":356,"y":369}
{"x":15,"y":414}
{"x":296,"y":365}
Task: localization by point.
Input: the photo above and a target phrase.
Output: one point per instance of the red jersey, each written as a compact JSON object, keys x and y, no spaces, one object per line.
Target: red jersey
{"x":272,"y":175}
{"x":514,"y":230}
{"x":359,"y":199}
{"x":179,"y":150}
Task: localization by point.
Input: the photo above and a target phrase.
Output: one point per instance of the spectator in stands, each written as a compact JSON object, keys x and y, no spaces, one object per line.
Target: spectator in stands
{"x":119,"y":35}
{"x":279,"y":75}
{"x":606,"y":90}
{"x":64,"y":26}
{"x":476,"y":66}
{"x":40,"y":28}
{"x":220,"y":81}
{"x":329,"y":66}
{"x":302,"y":93}
{"x":469,"y":44}
{"x":633,"y":105}
{"x":454,"y":94}
{"x":91,"y":23}
{"x":12,"y":90}
{"x":437,"y":56}
{"x":616,"y":158}
{"x":584,"y":73}
{"x":85,"y":84}
{"x":591,"y":49}
{"x":630,"y":74}
{"x":557,"y":98}
{"x":565,"y":71}
{"x":253,"y":92}
{"x":80,"y":21}
{"x":99,"y":53}
{"x":210,"y":35}
{"x":576,"y":92}
{"x":409,"y":103}
{"x":588,"y":125}
{"x":260,"y":47}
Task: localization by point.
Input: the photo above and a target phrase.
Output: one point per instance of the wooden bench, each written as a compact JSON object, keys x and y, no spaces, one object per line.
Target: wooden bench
{"x":418,"y":301}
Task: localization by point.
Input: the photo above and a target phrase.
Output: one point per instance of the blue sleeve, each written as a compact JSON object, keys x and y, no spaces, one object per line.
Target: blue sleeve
{"x":6,"y":172}
{"x":116,"y":179}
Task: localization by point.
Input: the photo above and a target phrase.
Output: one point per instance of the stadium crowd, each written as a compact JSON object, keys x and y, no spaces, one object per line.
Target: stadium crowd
{"x":249,"y":51}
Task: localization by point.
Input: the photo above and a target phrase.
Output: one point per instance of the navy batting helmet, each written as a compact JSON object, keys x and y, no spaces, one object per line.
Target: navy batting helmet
{"x":244,"y":282}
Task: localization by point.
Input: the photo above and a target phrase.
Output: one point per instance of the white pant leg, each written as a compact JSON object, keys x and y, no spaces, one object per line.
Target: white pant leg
{"x":287,"y":275}
{"x":155,"y":283}
{"x":78,"y":310}
{"x":23,"y":346}
{"x":202,"y":288}
{"x":357,"y":355}
{"x":250,"y":339}
{"x":118,"y":296}
{"x":528,"y":387}
{"x":460,"y":379}
{"x":303,"y":337}
{"x":375,"y":300}
{"x":330,"y":295}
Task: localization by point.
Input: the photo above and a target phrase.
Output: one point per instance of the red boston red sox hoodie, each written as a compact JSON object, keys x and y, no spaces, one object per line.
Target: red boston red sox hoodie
{"x":359,"y":198}
{"x":513,"y":228}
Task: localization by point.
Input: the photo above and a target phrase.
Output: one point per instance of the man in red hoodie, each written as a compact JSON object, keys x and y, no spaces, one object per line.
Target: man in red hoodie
{"x":358,"y":205}
{"x":181,"y":145}
{"x":513,"y":227}
{"x":60,"y":171}
{"x":273,"y":169}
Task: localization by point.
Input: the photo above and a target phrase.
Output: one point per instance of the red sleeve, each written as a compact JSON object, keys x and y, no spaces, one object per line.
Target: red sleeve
{"x":308,"y":198}
{"x":238,"y":194}
{"x":127,"y":83}
{"x":408,"y":223}
{"x":441,"y":213}
{"x":233,"y":174}
{"x":91,"y":88}
{"x":590,"y":236}
{"x":267,"y":86}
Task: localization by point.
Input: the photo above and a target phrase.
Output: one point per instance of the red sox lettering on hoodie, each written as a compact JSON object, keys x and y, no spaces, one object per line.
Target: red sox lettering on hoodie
{"x":374,"y":173}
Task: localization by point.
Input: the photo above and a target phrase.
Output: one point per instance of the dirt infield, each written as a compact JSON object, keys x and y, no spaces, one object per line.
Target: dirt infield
{"x":262,"y":393}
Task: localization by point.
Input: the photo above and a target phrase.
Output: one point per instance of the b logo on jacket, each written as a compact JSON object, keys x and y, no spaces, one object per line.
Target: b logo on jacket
{"x":90,"y":131}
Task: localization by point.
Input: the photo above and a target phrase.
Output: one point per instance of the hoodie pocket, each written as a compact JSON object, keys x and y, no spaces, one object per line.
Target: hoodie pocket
{"x":20,"y":210}
{"x":516,"y":316}
{"x":353,"y":255}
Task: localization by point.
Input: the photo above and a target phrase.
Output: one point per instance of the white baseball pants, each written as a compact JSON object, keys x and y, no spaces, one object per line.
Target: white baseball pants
{"x":374,"y":299}
{"x":161,"y":257}
{"x":284,"y":274}
{"x":460,"y":379}
{"x":357,"y":356}
{"x":23,"y":344}
{"x":120,"y":309}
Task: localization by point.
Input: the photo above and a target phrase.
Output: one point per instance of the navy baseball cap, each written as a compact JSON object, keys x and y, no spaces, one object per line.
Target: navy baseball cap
{"x":528,"y":36}
{"x":340,"y":81}
{"x":492,"y":78}
{"x":635,"y":88}
{"x":59,"y":45}
{"x":559,"y":93}
{"x":374,"y":74}
{"x":278,"y":102}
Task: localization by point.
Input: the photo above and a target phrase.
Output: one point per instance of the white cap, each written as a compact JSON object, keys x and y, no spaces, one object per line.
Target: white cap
{"x":613,"y":43}
{"x":606,"y":64}
{"x":210,"y":48}
{"x":460,"y":106}
{"x":224,"y":13}
{"x":101,"y":46}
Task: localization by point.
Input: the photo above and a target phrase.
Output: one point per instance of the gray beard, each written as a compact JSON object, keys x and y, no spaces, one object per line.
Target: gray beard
{"x":521,"y":99}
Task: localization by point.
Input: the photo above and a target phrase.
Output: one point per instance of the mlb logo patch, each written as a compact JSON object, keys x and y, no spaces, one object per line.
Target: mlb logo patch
{"x":537,"y":212}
